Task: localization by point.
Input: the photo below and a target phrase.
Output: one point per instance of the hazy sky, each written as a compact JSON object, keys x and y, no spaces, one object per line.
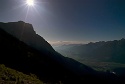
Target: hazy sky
{"x":69,"y":20}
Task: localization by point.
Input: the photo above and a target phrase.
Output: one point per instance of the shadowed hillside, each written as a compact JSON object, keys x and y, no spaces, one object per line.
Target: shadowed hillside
{"x":48,"y":65}
{"x":44,"y":62}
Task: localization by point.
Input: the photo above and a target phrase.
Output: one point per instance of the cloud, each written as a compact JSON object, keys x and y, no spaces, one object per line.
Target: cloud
{"x":58,"y":43}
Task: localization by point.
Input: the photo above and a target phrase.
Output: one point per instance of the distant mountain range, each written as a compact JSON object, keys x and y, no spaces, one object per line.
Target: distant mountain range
{"x":113,"y":51}
{"x":107,"y":54}
{"x":24,"y":50}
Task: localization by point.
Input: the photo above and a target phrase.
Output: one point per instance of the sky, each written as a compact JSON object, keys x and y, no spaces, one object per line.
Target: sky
{"x":69,"y":21}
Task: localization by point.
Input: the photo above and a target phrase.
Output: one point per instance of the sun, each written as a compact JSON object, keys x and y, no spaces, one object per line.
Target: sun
{"x":30,"y":2}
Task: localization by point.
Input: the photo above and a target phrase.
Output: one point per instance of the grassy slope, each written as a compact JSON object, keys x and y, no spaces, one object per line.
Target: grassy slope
{"x":10,"y":76}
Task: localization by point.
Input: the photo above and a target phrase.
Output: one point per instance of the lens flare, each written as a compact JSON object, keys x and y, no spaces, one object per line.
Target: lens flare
{"x":30,"y":2}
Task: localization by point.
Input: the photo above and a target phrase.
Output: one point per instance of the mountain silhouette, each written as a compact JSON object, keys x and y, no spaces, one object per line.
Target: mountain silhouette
{"x":25,"y":32}
{"x":30,"y":53}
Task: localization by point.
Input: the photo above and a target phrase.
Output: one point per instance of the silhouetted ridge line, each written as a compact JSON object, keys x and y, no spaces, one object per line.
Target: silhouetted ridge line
{"x":25,"y":32}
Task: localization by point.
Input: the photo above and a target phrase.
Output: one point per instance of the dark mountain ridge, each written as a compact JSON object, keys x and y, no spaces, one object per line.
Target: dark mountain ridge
{"x":34,"y":40}
{"x":25,"y":32}
{"x":47,"y":64}
{"x":16,"y":54}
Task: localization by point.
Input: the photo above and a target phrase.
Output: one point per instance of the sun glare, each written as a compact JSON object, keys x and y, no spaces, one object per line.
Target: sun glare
{"x":30,"y":2}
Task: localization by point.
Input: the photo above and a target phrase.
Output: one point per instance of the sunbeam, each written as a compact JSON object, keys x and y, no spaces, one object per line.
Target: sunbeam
{"x":30,"y":2}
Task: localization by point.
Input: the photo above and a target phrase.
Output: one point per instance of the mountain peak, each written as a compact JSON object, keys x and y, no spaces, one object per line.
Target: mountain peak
{"x":25,"y":32}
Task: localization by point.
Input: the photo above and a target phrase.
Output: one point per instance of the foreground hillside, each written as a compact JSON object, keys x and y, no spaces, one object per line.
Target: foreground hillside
{"x":10,"y":76}
{"x":47,"y":64}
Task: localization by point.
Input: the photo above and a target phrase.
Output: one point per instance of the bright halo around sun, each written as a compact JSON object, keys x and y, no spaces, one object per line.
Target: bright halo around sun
{"x":30,"y":2}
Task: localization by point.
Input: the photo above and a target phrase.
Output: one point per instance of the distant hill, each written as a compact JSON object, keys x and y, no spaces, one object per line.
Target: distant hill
{"x":109,"y":53}
{"x":112,"y":51}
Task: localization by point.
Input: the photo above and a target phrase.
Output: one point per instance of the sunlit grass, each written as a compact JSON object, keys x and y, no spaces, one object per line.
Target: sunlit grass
{"x":10,"y":76}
